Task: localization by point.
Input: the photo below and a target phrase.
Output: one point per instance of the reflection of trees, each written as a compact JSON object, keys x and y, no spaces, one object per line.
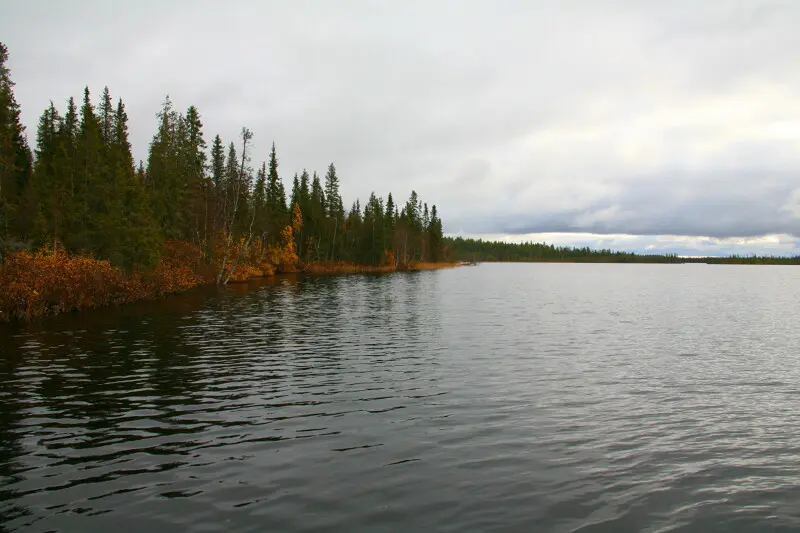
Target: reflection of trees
{"x":11,"y":448}
{"x":148,"y":376}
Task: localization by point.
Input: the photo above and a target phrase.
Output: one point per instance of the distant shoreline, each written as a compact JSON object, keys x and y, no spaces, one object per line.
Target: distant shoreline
{"x":462,"y":249}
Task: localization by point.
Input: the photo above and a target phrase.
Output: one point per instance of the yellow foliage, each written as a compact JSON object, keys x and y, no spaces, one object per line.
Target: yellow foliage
{"x":288,"y":257}
{"x":51,"y":281}
{"x":297,"y":219}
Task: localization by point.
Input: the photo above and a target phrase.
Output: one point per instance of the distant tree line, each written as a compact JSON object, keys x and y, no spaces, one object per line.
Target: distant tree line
{"x":481,"y":250}
{"x":80,"y":187}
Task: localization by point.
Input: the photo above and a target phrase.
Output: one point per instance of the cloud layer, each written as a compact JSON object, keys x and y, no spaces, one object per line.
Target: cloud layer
{"x":516,"y":117}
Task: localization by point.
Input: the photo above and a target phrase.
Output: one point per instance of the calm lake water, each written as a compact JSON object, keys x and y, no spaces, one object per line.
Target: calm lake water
{"x":590,"y":398}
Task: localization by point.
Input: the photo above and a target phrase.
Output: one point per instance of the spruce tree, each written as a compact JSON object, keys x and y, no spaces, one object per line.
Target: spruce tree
{"x":435,"y":237}
{"x":260,"y":202}
{"x":333,"y":209}
{"x":276,"y":201}
{"x":295,"y":198}
{"x":16,"y":164}
{"x":165,"y":183}
{"x":316,"y":217}
{"x":217,"y":196}
{"x":89,"y":191}
{"x":48,"y":144}
{"x":139,"y":243}
{"x":304,"y":203}
{"x":106,"y":117}
{"x":193,"y":159}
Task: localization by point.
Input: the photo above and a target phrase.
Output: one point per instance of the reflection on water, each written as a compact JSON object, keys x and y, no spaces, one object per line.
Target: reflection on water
{"x":498,"y":398}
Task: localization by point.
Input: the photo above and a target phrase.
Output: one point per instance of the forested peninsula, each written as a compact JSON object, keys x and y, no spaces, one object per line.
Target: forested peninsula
{"x":465,"y":249}
{"x":83,"y":226}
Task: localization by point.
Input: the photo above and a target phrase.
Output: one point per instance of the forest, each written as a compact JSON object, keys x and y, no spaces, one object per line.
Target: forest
{"x":83,"y":225}
{"x":480,"y":250}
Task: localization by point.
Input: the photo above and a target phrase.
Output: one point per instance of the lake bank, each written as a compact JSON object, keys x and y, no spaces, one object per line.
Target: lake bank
{"x":50,"y":281}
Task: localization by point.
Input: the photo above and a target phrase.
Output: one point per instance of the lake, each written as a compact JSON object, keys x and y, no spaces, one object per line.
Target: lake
{"x":502,"y":397}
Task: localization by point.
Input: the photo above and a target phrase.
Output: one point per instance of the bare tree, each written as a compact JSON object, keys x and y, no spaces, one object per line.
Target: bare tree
{"x":246,"y":135}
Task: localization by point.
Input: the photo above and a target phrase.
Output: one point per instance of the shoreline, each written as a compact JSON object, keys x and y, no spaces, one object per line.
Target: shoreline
{"x":51,"y":282}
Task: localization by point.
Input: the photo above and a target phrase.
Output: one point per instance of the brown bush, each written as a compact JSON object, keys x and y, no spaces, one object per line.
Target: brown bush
{"x":52,"y":281}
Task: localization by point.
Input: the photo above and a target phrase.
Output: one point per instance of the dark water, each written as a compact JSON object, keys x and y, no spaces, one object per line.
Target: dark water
{"x":591,"y":398}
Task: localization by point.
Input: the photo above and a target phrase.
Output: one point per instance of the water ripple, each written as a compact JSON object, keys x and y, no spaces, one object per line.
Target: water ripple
{"x":567,"y":398}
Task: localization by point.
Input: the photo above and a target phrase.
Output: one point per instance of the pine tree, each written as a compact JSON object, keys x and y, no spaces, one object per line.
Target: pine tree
{"x":316,"y":216}
{"x":106,"y":117}
{"x":304,"y":201}
{"x":351,"y":234}
{"x":435,"y":237}
{"x":44,"y":175}
{"x":424,"y":240}
{"x":276,"y":201}
{"x":217,"y":196}
{"x":295,"y":197}
{"x":389,"y":225}
{"x":333,"y":208}
{"x":139,"y":240}
{"x":116,"y":170}
{"x":65,"y":202}
{"x":16,"y":163}
{"x":193,"y":158}
{"x":260,"y":202}
{"x":166,"y":194}
{"x":89,"y":190}
{"x":373,"y":244}
{"x":333,"y":205}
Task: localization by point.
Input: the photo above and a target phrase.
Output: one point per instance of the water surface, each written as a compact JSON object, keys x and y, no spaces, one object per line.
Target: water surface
{"x":590,"y":398}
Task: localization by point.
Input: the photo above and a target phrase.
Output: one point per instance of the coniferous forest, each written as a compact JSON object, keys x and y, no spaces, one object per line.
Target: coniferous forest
{"x":532,"y":252}
{"x":82,"y":224}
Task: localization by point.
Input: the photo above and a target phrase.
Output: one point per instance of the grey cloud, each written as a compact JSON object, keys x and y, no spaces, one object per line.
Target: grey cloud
{"x":746,"y":205}
{"x":513,"y":117}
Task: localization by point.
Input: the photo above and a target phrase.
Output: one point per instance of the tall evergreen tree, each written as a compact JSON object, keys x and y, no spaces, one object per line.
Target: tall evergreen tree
{"x":435,"y":236}
{"x":106,"y":117}
{"x":218,"y":163}
{"x":295,"y":198}
{"x":139,"y":240}
{"x":48,"y":144}
{"x":167,"y":193}
{"x":193,"y":157}
{"x":276,"y":200}
{"x":333,"y":209}
{"x":260,"y":202}
{"x":16,"y":163}
{"x":217,"y":196}
{"x":89,"y":190}
{"x":316,"y":219}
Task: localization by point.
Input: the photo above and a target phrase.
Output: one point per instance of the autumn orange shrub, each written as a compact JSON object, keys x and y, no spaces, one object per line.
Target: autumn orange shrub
{"x":288,"y":253}
{"x":246,"y":261}
{"x":51,"y":281}
{"x":179,"y":270}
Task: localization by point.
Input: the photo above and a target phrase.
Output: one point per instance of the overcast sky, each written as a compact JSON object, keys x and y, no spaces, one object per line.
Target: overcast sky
{"x":640,"y":125}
